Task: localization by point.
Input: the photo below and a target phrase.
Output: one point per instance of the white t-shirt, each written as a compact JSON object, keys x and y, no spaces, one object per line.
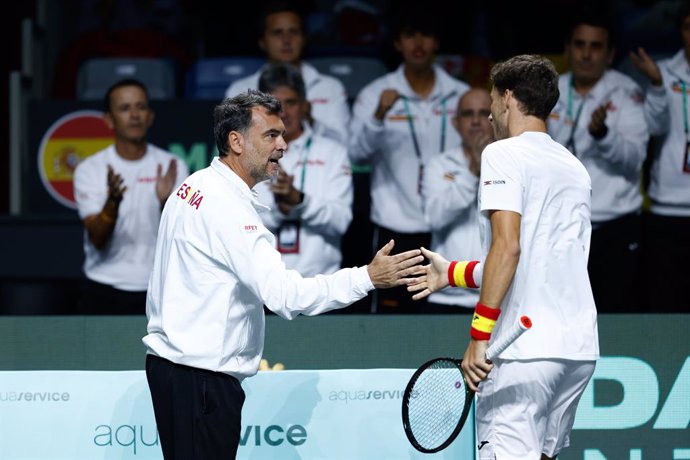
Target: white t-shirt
{"x":542,"y":181}
{"x":125,"y":263}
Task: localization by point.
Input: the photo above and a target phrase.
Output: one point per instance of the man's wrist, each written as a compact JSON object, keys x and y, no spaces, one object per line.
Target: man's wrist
{"x":483,"y":321}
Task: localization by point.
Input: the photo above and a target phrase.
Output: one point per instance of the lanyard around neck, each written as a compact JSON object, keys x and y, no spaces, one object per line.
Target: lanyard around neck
{"x":685,"y":108}
{"x":305,"y":156}
{"x":571,"y":139}
{"x":413,"y":132}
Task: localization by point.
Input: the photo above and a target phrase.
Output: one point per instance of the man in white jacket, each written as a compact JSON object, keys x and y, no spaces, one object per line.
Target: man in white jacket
{"x":215,"y":269}
{"x":599,"y":117}
{"x":311,"y":198}
{"x":400,"y":121}
{"x":449,"y":189}
{"x":667,"y":225}
{"x":282,"y":38}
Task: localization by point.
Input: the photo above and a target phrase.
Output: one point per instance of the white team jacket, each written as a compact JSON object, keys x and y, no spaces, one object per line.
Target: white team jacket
{"x":615,"y":162}
{"x":669,"y":187}
{"x":326,"y":212}
{"x":216,"y":267}
{"x":327,"y":97}
{"x":389,"y":147}
{"x":449,"y":190}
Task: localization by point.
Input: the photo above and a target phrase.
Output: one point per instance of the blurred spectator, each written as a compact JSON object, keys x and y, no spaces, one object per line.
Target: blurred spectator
{"x":599,"y":117}
{"x":667,"y":225}
{"x":281,"y":36}
{"x":401,"y":121}
{"x":311,"y":199}
{"x":120,"y":192}
{"x":449,"y":190}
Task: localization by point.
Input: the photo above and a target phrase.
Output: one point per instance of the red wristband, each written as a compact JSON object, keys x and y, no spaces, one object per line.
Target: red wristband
{"x":483,"y":321}
{"x":451,"y":273}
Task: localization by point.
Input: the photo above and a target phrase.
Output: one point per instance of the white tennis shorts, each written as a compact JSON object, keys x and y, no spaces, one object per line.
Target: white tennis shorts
{"x":527,"y":407}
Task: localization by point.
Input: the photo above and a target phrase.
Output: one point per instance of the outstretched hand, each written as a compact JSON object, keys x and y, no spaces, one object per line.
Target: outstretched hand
{"x":387,"y":271}
{"x":434,"y":277}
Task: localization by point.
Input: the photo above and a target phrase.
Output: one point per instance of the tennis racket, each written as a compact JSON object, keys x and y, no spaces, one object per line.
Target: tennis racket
{"x":437,"y":401}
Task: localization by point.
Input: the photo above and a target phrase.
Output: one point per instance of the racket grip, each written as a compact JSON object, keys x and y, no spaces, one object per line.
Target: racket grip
{"x":518,"y":329}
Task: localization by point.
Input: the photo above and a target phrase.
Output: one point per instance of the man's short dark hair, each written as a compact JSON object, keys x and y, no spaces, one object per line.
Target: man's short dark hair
{"x":532,"y":79}
{"x":122,"y":84}
{"x":282,"y":74}
{"x":411,"y":17}
{"x":594,"y":16}
{"x":235,"y":114}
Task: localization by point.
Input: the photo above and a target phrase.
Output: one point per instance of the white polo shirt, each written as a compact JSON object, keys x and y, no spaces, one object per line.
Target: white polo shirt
{"x":215,"y":268}
{"x":542,"y":181}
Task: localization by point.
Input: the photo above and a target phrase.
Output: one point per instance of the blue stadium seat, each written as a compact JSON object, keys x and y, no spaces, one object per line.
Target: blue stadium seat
{"x":354,"y":72}
{"x":97,"y":75}
{"x":208,"y":78}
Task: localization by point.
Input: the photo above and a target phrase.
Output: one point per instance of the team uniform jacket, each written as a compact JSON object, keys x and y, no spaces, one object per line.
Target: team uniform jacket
{"x":396,"y":202}
{"x":537,"y":178}
{"x":669,"y":187}
{"x":326,"y":212}
{"x":615,"y":161}
{"x":326,"y":94}
{"x":449,"y":190}
{"x":216,"y":266}
{"x":125,"y":262}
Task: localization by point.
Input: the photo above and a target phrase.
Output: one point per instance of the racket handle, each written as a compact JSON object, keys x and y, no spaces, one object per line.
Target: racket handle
{"x":518,"y":329}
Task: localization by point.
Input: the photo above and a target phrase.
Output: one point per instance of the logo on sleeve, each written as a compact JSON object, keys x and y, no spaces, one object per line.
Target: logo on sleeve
{"x":249,"y":228}
{"x":494,"y":182}
{"x":190,"y":196}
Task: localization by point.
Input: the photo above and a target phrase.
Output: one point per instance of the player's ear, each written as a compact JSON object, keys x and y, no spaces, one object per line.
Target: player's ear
{"x":236,"y":142}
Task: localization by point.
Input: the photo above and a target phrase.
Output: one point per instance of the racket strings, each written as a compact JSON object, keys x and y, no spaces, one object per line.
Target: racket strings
{"x":437,"y":404}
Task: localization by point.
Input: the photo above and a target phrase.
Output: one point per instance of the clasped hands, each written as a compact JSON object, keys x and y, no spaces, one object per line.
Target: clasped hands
{"x":286,"y":195}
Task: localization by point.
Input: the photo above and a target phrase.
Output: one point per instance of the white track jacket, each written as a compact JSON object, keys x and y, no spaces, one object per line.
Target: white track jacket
{"x":215,"y":268}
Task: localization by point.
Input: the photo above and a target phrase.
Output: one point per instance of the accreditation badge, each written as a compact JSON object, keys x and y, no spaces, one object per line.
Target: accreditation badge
{"x":686,"y":158}
{"x":288,"y":237}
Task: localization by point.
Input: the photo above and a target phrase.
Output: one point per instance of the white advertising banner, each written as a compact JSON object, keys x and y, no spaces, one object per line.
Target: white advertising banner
{"x":338,"y":414}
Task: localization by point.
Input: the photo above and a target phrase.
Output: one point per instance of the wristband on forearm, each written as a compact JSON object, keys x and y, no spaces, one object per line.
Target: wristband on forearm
{"x":483,"y":321}
{"x":461,"y":274}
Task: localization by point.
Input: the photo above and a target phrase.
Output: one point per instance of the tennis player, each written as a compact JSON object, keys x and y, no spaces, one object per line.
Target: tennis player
{"x":534,"y":200}
{"x":215,"y":268}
